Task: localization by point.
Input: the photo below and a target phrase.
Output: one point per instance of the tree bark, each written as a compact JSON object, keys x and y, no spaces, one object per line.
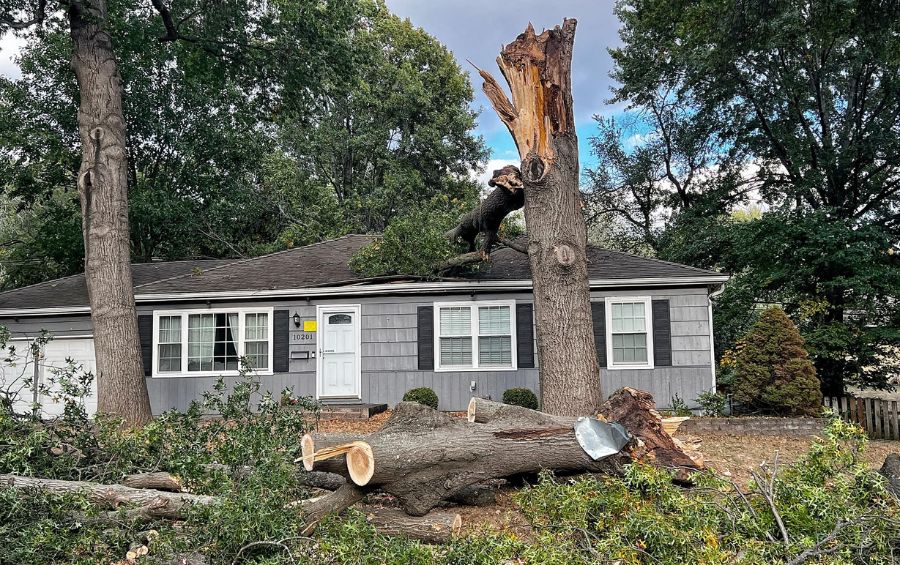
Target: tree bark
{"x":151,"y":503}
{"x":436,"y":527}
{"x":423,"y":457}
{"x":540,"y":118}
{"x":103,"y":188}
{"x":158,"y":480}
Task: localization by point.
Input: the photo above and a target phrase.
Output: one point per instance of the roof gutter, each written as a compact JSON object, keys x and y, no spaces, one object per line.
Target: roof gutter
{"x":406,"y":288}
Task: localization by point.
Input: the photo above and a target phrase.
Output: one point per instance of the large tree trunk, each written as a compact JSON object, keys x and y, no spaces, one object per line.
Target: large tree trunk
{"x":103,"y":187}
{"x":423,"y":456}
{"x":541,"y":121}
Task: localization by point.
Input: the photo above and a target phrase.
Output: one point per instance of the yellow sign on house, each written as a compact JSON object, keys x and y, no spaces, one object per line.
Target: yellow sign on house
{"x":309,"y":325}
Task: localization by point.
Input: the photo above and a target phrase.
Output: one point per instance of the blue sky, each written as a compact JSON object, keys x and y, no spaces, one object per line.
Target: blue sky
{"x":477,"y":29}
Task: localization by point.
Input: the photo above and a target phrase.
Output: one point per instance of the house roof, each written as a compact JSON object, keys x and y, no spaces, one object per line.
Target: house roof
{"x":313,"y":269}
{"x":72,"y":291}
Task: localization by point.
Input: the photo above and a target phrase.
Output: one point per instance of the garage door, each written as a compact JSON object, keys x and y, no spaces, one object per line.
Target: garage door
{"x":17,"y":372}
{"x":55,"y":355}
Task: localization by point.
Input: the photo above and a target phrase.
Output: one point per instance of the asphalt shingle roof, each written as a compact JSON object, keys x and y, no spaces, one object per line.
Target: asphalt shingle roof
{"x":319,"y":264}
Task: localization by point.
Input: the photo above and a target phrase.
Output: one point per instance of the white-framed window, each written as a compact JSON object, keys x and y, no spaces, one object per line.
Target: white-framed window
{"x":629,"y":332}
{"x":473,"y":336}
{"x":211,"y":341}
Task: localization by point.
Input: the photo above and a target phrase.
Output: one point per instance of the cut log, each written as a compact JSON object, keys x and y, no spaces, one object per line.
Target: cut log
{"x":152,"y":503}
{"x":158,"y":480}
{"x":423,"y":456}
{"x":435,"y":527}
{"x":672,"y":424}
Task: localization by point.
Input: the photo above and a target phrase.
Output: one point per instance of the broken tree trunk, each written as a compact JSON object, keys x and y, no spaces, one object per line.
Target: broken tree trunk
{"x":486,"y":218}
{"x":423,"y":456}
{"x":541,"y":120}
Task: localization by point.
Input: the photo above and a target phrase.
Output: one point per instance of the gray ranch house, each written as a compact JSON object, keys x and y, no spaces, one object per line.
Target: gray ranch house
{"x":305,"y":321}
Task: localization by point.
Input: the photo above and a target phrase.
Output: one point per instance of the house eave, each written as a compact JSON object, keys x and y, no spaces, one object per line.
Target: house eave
{"x":407,"y":288}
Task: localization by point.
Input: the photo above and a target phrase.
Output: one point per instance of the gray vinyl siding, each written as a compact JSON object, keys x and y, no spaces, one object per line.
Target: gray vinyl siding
{"x":389,"y":358}
{"x":691,"y":371}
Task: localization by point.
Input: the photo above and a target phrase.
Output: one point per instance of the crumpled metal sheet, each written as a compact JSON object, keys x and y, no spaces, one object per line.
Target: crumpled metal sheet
{"x":600,"y":439}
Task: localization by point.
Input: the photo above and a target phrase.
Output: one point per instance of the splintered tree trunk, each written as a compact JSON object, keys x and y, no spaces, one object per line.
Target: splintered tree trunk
{"x":103,"y":188}
{"x":541,"y":121}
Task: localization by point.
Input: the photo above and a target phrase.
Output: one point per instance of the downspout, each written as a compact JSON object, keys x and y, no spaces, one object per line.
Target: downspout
{"x":712,"y":343}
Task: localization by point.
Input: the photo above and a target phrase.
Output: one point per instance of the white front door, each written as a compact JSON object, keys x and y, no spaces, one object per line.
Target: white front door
{"x":338,"y":366}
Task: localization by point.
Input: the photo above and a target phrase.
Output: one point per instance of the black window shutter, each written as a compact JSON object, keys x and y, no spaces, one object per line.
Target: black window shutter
{"x":281,"y":337}
{"x":662,"y":334}
{"x":525,"y":336}
{"x":425,"y":337}
{"x":145,"y":332}
{"x":598,"y":313}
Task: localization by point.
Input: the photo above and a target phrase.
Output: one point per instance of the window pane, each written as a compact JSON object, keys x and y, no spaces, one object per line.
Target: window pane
{"x":456,"y":352}
{"x":169,"y":329}
{"x":169,"y":358}
{"x":256,"y":327}
{"x":338,"y":319}
{"x":628,"y":317}
{"x":212,"y":343}
{"x":493,"y":320}
{"x":629,"y":348}
{"x":456,"y":320}
{"x":257,"y":354}
{"x":495,"y":351}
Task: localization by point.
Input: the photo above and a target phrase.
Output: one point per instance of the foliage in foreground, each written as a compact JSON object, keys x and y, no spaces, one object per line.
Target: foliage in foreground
{"x":834,"y":509}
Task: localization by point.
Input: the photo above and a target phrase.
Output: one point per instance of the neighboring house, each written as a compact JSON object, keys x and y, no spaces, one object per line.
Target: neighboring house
{"x":307,"y":322}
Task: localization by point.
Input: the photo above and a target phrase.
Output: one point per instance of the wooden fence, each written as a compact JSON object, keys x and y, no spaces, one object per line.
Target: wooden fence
{"x":879,"y":418}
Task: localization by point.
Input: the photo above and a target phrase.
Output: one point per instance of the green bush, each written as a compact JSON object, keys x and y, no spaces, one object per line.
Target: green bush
{"x":521,"y":397}
{"x":772,"y":370}
{"x":422,"y":395}
{"x":712,"y":403}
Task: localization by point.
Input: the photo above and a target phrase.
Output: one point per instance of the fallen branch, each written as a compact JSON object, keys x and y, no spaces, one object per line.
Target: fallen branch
{"x":149,"y":502}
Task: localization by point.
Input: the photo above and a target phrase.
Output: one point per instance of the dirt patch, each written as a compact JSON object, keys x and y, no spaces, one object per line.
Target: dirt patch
{"x":373,"y":424}
{"x":736,"y":456}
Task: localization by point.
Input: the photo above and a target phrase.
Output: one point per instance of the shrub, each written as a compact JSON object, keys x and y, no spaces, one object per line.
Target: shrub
{"x":712,"y":403}
{"x":521,"y":397}
{"x":422,"y":395}
{"x":772,"y":370}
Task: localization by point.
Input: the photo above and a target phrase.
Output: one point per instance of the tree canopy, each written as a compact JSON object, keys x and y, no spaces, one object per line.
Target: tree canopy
{"x":326,"y":120}
{"x":790,"y":110}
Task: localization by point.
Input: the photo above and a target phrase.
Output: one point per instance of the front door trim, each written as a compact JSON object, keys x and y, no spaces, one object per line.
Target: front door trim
{"x":321,"y":312}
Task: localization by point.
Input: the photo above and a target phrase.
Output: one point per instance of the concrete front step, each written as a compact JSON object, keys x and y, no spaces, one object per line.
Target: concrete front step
{"x":358,"y":411}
